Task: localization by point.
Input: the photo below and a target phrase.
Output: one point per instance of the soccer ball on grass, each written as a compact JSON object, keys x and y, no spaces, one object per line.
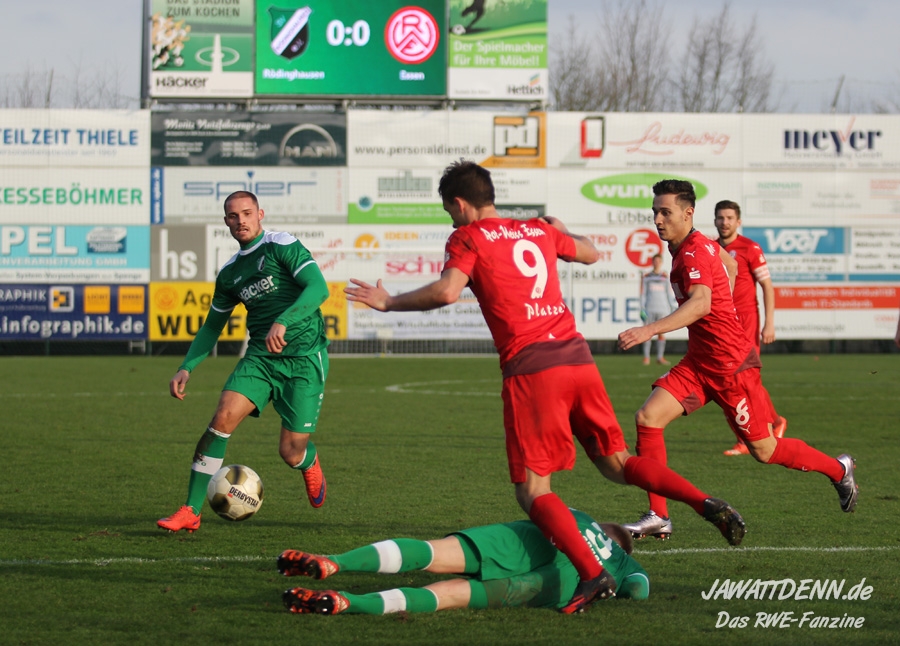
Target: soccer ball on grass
{"x":235,"y":492}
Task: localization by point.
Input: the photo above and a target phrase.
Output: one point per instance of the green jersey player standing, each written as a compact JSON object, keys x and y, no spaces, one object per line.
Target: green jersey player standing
{"x":280,"y":284}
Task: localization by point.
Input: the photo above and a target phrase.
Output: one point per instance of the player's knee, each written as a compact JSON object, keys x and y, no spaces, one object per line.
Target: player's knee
{"x":761,"y":452}
{"x":641,"y":417}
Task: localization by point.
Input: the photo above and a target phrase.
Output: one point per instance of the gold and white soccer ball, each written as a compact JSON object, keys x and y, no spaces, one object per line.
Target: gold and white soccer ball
{"x":235,"y":492}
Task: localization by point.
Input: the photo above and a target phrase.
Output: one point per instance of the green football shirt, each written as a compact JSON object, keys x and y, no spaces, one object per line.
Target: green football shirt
{"x":264,"y":276}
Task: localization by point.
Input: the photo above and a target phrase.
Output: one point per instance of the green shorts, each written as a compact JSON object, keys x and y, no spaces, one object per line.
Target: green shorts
{"x":295,"y":385}
{"x":519,"y":567}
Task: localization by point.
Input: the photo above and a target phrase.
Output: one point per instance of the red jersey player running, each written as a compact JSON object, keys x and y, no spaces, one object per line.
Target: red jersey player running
{"x":551,"y":386}
{"x":720,"y":365}
{"x":751,"y":269}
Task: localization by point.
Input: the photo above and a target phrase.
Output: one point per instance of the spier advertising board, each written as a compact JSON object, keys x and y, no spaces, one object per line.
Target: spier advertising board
{"x":196,"y":195}
{"x":351,"y":47}
{"x":201,"y":49}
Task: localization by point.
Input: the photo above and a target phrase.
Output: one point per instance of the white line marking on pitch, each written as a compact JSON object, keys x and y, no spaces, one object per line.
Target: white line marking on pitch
{"x":250,"y":559}
{"x":710,"y":550}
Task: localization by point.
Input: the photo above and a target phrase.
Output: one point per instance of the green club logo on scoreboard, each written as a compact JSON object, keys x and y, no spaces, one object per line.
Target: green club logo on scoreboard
{"x":351,"y":47}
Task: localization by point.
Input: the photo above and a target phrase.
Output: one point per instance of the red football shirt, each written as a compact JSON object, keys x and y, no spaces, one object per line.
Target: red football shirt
{"x":752,"y":268}
{"x":717,"y":342}
{"x":511,"y":265}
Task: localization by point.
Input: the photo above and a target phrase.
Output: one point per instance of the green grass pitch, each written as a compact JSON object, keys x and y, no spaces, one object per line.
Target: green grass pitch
{"x":94,"y":451}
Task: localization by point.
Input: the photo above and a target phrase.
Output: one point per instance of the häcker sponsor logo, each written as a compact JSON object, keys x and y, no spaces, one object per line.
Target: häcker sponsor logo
{"x":257,"y":289}
{"x":631,"y":190}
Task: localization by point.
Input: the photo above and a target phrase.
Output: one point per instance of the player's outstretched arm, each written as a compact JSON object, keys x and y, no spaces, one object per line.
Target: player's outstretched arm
{"x":444,"y":291}
{"x":178,"y":383}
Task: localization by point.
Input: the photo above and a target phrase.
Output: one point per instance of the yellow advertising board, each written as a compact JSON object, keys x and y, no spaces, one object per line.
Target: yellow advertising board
{"x":334,"y":311}
{"x":177,"y":310}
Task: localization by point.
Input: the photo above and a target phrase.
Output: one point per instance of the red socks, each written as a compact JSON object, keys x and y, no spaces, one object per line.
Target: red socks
{"x":650,"y":444}
{"x":797,"y":454}
{"x":665,"y":483}
{"x":554,"y":519}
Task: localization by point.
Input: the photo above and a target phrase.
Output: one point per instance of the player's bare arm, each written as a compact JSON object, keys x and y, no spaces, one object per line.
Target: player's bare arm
{"x":178,"y":383}
{"x":585,"y":251}
{"x":696,"y":306}
{"x":768,"y":330}
{"x":444,"y":291}
{"x":731,"y":266}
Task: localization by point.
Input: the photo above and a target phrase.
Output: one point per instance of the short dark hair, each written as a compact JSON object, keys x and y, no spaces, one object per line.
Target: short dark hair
{"x":728,"y":204}
{"x":681,"y":189}
{"x":469,"y":181}
{"x":240,"y":194}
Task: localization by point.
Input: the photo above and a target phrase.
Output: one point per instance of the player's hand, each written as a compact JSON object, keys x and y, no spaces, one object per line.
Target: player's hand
{"x":633,"y":336}
{"x":768,"y":334}
{"x":556,"y":223}
{"x":178,"y":383}
{"x":275,"y":342}
{"x":644,"y":316}
{"x":375,"y":296}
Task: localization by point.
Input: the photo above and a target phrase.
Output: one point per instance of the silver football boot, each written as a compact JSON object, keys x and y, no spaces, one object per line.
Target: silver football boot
{"x":650,"y":525}
{"x":846,"y":487}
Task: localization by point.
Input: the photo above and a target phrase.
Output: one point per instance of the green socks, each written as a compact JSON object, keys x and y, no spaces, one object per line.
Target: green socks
{"x":208,"y":458}
{"x":308,"y":458}
{"x":390,"y":557}
{"x":396,"y":600}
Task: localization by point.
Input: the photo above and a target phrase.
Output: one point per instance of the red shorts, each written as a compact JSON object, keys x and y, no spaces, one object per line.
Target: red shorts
{"x":543,"y":410}
{"x":741,"y":396}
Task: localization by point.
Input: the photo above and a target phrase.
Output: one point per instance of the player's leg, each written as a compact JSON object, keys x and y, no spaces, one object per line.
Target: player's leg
{"x":651,"y":419}
{"x":208,"y":458}
{"x":661,"y":350}
{"x":333,"y":602}
{"x":539,"y":442}
{"x":387,"y":557}
{"x":646,"y":349}
{"x":779,"y":423}
{"x":299,"y":389}
{"x":743,"y":404}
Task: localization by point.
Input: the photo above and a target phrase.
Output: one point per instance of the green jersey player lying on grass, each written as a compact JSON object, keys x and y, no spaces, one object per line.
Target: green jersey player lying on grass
{"x":508,"y":564}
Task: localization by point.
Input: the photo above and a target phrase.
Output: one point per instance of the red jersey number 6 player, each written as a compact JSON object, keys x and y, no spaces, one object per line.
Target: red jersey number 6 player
{"x":721,"y":364}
